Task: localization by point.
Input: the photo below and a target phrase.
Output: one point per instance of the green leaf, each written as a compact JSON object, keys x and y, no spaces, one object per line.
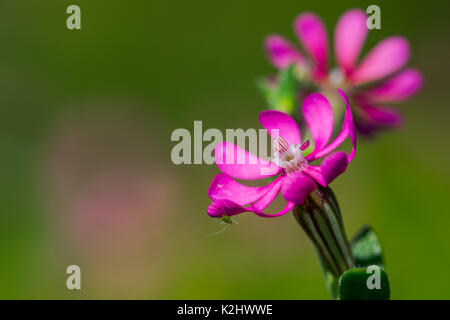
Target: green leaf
{"x":366,"y":248}
{"x":364,"y":284}
{"x":285,"y":97}
{"x":268,"y":89}
{"x":281,"y":95}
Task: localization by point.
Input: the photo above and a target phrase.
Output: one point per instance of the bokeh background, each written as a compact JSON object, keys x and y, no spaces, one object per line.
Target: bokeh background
{"x":86,"y":175}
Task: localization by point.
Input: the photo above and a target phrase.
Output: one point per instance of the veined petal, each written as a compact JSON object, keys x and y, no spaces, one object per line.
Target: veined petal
{"x":350,"y":34}
{"x":312,"y":34}
{"x":319,"y":118}
{"x":286,"y":126}
{"x":282,"y":53}
{"x":334,"y":165}
{"x":296,"y":187}
{"x":399,"y":87}
{"x":224,"y":187}
{"x":348,"y":130}
{"x":240,"y":164}
{"x":387,"y":57}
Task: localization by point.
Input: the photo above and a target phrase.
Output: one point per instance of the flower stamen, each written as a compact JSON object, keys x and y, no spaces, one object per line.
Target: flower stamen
{"x":289,"y":156}
{"x":280,"y":145}
{"x":305,"y":145}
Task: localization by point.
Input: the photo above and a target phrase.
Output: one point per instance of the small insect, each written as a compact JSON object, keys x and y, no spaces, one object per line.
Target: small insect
{"x":227,"y":221}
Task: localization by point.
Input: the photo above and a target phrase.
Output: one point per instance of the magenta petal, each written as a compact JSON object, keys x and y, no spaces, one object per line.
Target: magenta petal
{"x":313,"y":35}
{"x":227,"y":207}
{"x":224,"y":207}
{"x":366,"y":128}
{"x":348,"y":130}
{"x":224,"y":187}
{"x":349,"y":126}
{"x":271,"y":192}
{"x":315,"y":172}
{"x":319,"y":117}
{"x":296,"y":187}
{"x":289,"y":206}
{"x":286,"y":126}
{"x":382,"y":115}
{"x":350,"y":34}
{"x":334,"y":165}
{"x":386,"y":58}
{"x":399,"y":87}
{"x":281,"y":53}
{"x":240,"y":164}
{"x":229,"y":197}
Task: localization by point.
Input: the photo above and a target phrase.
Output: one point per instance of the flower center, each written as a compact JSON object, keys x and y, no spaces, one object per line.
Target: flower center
{"x":336,"y":78}
{"x":289,"y":157}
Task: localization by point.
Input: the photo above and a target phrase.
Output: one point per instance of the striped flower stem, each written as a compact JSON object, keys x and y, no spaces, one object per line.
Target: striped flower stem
{"x":320,"y":217}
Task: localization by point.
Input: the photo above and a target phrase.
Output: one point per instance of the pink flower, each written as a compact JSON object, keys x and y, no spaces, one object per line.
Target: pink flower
{"x":296,"y":177}
{"x":380,"y":71}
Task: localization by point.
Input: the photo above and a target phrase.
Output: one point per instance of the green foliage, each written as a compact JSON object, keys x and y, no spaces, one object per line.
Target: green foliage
{"x":281,"y":94}
{"x":366,"y":248}
{"x":365,"y":282}
{"x":354,"y":285}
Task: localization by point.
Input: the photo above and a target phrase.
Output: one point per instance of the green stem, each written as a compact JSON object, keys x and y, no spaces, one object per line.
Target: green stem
{"x":321,"y":219}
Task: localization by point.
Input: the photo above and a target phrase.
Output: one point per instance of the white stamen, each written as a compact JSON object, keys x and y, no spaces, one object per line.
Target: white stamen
{"x":291,"y":159}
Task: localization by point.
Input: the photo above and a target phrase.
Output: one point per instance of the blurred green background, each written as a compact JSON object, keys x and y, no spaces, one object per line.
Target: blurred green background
{"x":86,"y":175}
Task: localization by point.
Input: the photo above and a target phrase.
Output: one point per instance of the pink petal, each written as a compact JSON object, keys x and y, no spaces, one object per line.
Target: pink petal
{"x":228,"y":207}
{"x":229,"y":197}
{"x":296,"y":187}
{"x":350,"y":34}
{"x":286,"y":126}
{"x":367,"y":128}
{"x":334,"y":165}
{"x":240,"y":164}
{"x":315,"y":173}
{"x":313,"y":35}
{"x":272,"y":191}
{"x":386,"y":58}
{"x":399,"y":87}
{"x":382,"y":115}
{"x":319,"y":117}
{"x":289,"y":206}
{"x":348,"y":130}
{"x":224,"y":207}
{"x":281,"y":53}
{"x":224,"y":187}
